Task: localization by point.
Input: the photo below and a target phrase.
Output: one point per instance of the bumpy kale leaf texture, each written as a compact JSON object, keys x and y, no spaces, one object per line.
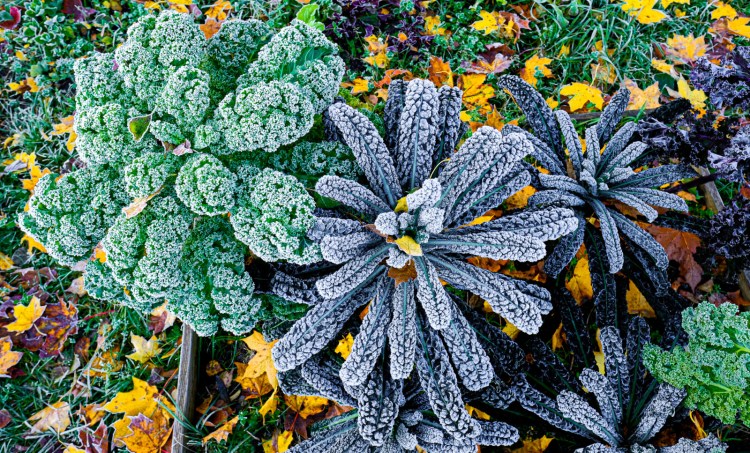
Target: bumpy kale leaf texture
{"x":714,"y":368}
{"x":590,"y":182}
{"x":727,"y":84}
{"x":168,"y":127}
{"x":632,"y":409}
{"x":393,"y":241}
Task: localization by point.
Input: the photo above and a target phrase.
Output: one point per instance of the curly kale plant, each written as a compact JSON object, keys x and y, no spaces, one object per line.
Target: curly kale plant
{"x":414,"y":422}
{"x":714,"y":368}
{"x":632,"y":408}
{"x":727,"y":84}
{"x":160,"y":126}
{"x":591,"y":182}
{"x":393,"y":241}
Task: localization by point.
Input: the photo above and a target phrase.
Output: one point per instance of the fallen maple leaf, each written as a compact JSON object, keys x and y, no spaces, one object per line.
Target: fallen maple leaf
{"x":643,"y":11}
{"x":579,"y":284}
{"x":686,"y":49}
{"x":5,"y":262}
{"x":647,"y":98}
{"x":476,"y":93}
{"x":697,"y":98}
{"x":259,"y":374}
{"x":740,"y":26}
{"x":142,"y":434}
{"x":223,"y":432}
{"x":55,"y":417}
{"x":581,"y":94}
{"x":306,"y":406}
{"x":279,"y":443}
{"x":680,"y":247}
{"x":8,"y":358}
{"x":723,"y":10}
{"x":534,"y":445}
{"x":358,"y":85}
{"x":143,"y":399}
{"x":535,"y":66}
{"x":32,"y":244}
{"x":25,"y":316}
{"x":377,"y":48}
{"x":145,"y":350}
{"x":439,"y":72}
{"x":637,"y":303}
{"x":490,"y":22}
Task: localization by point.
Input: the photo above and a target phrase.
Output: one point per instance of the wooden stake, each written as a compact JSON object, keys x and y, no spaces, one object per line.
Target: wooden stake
{"x":187,"y":383}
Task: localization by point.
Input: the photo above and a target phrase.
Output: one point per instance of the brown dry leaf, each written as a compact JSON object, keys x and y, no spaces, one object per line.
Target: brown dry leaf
{"x":440,"y":72}
{"x":55,"y":417}
{"x":257,"y":386}
{"x":223,"y":432}
{"x":579,"y":284}
{"x":138,"y":205}
{"x":404,"y":274}
{"x":77,"y":287}
{"x":637,"y":304}
{"x":5,"y":418}
{"x":161,"y":319}
{"x":680,"y":247}
{"x":25,"y":316}
{"x":8,"y":358}
{"x":210,"y":27}
{"x":213,"y":368}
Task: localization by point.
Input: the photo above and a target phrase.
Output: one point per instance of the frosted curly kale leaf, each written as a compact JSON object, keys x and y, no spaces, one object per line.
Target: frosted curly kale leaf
{"x":584,"y":181}
{"x":161,"y":123}
{"x":411,"y":234}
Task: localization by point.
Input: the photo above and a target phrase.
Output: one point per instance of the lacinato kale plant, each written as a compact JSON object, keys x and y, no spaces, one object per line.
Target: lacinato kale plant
{"x":414,"y":421}
{"x":632,"y":407}
{"x":393,"y":241}
{"x":171,"y":194}
{"x":714,"y":367}
{"x":593,"y":182}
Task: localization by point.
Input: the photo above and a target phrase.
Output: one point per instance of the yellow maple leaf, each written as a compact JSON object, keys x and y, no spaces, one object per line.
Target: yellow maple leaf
{"x":5,"y":262}
{"x":666,"y":3}
{"x":55,"y":417}
{"x":408,"y":245}
{"x":145,"y":350}
{"x":643,"y":11}
{"x":534,"y":445}
{"x":72,"y":449}
{"x":520,"y":199}
{"x":579,"y":284}
{"x":581,"y":94}
{"x":306,"y":406}
{"x":28,"y":84}
{"x":358,"y":85}
{"x":344,"y":346}
{"x":490,"y":22}
{"x":261,"y":364}
{"x":25,"y":316}
{"x":143,"y":399}
{"x":440,"y":72}
{"x":221,"y":434}
{"x":8,"y":358}
{"x":104,"y":364}
{"x":35,"y":174}
{"x":686,"y":48}
{"x":697,"y":98}
{"x":564,"y":51}
{"x":279,"y":443}
{"x":32,"y":244}
{"x":476,"y":413}
{"x":476,"y":93}
{"x":557,"y":338}
{"x":141,"y":433}
{"x":647,"y":98}
{"x":536,"y":66}
{"x":662,"y":66}
{"x":637,"y":304}
{"x":510,"y":330}
{"x":740,"y":26}
{"x":723,"y":10}
{"x":603,"y":72}
{"x":377,"y":48}
{"x":432,"y":26}
{"x":65,"y":126}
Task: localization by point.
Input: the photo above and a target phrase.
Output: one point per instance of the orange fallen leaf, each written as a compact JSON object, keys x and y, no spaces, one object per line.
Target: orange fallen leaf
{"x":223,"y":432}
{"x":440,"y":72}
{"x":142,"y":434}
{"x":8,"y":358}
